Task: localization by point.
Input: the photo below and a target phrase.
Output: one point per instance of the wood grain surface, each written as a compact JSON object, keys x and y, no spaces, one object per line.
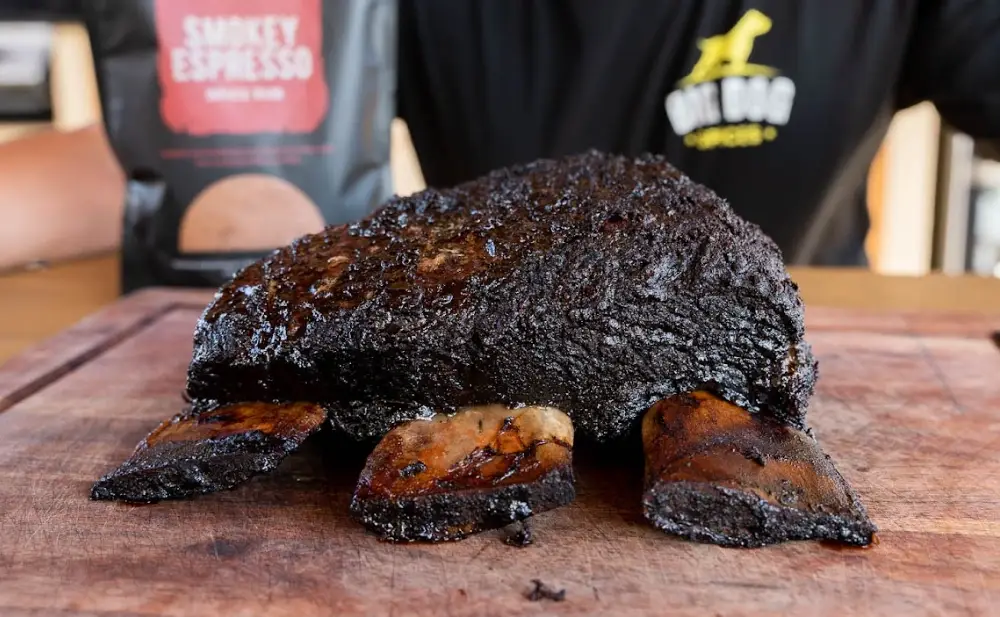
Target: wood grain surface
{"x":908,"y":406}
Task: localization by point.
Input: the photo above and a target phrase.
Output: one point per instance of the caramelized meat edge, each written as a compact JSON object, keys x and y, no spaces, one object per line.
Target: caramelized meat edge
{"x":454,"y":475}
{"x":717,"y":473}
{"x":193,"y":454}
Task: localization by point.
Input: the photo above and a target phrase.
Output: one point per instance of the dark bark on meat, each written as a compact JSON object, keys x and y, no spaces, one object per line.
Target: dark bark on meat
{"x":716,"y":473}
{"x":192,"y":454}
{"x":519,"y":534}
{"x":456,"y":514}
{"x":594,"y":284}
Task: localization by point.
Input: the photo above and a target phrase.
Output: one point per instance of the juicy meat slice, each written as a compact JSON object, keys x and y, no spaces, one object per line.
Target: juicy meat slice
{"x":451,"y":476}
{"x":716,"y":473}
{"x":595,"y":284}
{"x":196,"y":453}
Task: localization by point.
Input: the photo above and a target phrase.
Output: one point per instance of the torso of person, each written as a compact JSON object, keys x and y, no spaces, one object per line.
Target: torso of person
{"x":777,"y":105}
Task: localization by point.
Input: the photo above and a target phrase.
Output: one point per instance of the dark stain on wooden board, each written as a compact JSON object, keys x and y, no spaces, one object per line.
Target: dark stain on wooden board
{"x":908,"y":406}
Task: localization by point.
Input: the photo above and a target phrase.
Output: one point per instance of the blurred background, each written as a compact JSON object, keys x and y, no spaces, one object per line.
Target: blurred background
{"x":934,"y":202}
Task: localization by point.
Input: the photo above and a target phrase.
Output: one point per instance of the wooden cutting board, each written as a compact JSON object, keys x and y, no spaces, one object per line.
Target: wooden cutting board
{"x":908,"y":406}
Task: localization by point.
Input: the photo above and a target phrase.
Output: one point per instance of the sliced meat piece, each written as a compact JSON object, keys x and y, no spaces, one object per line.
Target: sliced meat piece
{"x":192,"y":454}
{"x":454,"y":475}
{"x":717,"y":473}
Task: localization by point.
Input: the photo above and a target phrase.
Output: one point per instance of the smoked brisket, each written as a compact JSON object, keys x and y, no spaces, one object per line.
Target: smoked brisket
{"x":595,"y":284}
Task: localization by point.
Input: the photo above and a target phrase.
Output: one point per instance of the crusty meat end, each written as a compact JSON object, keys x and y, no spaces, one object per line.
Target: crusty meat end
{"x":197,"y":453}
{"x":454,"y":475}
{"x":717,"y":473}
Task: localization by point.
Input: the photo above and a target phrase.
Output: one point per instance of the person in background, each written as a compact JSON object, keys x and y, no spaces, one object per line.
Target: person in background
{"x":777,"y":105}
{"x":61,"y":196}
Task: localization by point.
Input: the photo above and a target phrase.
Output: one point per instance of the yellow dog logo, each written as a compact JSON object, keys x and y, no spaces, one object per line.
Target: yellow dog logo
{"x":727,"y":102}
{"x":729,"y":54}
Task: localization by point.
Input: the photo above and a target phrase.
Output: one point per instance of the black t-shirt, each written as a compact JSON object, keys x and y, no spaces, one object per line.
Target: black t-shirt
{"x":778,"y":105}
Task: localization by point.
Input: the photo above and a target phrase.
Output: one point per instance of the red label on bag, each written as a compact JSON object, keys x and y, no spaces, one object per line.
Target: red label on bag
{"x":241,"y":66}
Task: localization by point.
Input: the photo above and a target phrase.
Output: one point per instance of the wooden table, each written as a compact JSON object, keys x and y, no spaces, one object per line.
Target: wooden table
{"x":37,"y":304}
{"x":906,"y":406}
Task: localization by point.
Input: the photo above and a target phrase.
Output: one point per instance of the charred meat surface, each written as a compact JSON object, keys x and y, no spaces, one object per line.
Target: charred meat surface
{"x":195,"y":453}
{"x":519,"y":534}
{"x":595,"y":284}
{"x":717,"y":473}
{"x":454,"y":475}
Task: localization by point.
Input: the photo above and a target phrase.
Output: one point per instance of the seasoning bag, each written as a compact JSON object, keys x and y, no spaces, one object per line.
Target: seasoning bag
{"x":241,"y":124}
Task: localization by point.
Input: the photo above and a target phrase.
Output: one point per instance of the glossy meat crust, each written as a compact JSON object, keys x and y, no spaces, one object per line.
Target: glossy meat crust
{"x":595,"y":284}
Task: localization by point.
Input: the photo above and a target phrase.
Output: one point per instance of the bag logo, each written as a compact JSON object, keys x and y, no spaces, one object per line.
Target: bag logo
{"x":726,"y":101}
{"x":241,"y":66}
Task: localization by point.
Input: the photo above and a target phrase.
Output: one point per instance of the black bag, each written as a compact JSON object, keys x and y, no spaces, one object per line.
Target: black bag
{"x":296,"y":96}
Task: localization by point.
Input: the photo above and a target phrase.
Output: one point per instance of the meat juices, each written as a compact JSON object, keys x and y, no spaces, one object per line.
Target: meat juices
{"x":482,"y":468}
